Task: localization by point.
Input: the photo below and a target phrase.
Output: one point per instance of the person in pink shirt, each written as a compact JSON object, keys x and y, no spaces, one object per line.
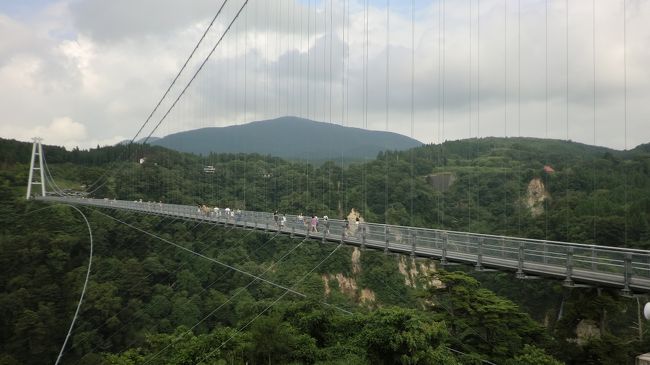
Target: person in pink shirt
{"x":314,"y":223}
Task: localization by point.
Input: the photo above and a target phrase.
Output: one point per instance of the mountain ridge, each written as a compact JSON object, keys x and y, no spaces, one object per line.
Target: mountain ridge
{"x":288,"y":137}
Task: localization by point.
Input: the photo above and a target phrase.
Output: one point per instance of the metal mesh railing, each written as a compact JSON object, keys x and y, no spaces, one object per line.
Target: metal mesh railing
{"x":600,"y":264}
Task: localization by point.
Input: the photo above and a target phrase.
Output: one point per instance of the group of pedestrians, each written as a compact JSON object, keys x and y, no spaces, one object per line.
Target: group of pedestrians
{"x":218,"y":212}
{"x":313,"y":223}
{"x":280,"y":221}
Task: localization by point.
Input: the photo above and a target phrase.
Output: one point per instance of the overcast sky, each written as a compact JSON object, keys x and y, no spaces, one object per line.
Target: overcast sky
{"x":82,"y":73}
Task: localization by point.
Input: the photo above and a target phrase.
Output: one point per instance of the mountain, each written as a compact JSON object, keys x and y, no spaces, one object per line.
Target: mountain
{"x":151,"y":139}
{"x":289,"y":137}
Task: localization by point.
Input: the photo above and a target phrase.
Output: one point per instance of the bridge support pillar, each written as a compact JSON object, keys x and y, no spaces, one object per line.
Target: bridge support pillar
{"x":520,"y":265}
{"x":479,"y":256}
{"x":628,"y":275}
{"x":568,"y":280}
{"x":37,"y":150}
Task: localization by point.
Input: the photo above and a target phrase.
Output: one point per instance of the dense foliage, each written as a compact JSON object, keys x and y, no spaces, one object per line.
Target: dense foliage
{"x":150,"y":302}
{"x":594,"y":195}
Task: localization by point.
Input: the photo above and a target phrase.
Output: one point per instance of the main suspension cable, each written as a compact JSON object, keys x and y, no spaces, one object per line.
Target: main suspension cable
{"x":171,"y":85}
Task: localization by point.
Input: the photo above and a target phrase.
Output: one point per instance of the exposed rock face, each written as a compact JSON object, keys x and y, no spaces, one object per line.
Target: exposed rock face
{"x":354,"y":214}
{"x":586,"y":331}
{"x":535,"y":197}
{"x":356,"y":256}
{"x":416,"y":273}
{"x":348,"y":285}
{"x":413,"y":276}
{"x":441,"y":181}
{"x":352,"y":218}
{"x":326,"y":283}
{"x":402,"y":269}
{"x":367,"y":296}
{"x":429,"y":269}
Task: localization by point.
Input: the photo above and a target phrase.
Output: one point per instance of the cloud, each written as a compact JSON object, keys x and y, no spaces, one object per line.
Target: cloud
{"x":105,"y":64}
{"x":120,"y":20}
{"x":61,"y":131}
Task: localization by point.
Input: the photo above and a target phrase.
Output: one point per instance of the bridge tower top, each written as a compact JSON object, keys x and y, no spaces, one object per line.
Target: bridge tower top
{"x":37,"y":178}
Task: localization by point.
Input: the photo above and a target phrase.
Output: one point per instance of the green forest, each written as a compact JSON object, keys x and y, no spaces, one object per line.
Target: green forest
{"x":150,"y":303}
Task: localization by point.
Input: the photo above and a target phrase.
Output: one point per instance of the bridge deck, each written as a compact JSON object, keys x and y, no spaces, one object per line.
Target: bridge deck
{"x":628,"y":269}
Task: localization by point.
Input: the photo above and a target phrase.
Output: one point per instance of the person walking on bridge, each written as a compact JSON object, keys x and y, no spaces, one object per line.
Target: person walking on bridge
{"x":326,"y":223}
{"x":314,"y":224}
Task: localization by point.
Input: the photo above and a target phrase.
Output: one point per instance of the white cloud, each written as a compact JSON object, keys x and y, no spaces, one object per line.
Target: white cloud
{"x":61,"y":131}
{"x":104,"y":65}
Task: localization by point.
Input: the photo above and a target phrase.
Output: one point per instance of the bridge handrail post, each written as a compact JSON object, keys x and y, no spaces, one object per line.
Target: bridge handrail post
{"x":324,"y":236}
{"x":627,"y":272}
{"x":293,"y":231}
{"x":568,"y":280}
{"x":363,"y":237}
{"x":386,"y":232}
{"x":479,"y":255}
{"x":520,"y":262}
{"x":445,"y":241}
{"x":593,"y":258}
{"x":545,"y":259}
{"x":413,"y":236}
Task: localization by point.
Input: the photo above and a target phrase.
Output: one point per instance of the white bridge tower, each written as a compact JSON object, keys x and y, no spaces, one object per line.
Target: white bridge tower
{"x":37,"y":150}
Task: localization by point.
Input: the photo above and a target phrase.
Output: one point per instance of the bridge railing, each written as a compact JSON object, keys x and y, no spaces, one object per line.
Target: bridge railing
{"x":521,"y":254}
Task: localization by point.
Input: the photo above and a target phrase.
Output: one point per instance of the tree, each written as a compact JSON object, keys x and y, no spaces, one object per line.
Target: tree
{"x":532,"y":355}
{"x":479,"y":320}
{"x":273,"y":340}
{"x":401,"y":336}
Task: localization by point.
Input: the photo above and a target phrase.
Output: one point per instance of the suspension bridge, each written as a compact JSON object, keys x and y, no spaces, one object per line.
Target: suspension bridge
{"x":624,"y":268}
{"x":627,"y":269}
{"x":259,"y":85}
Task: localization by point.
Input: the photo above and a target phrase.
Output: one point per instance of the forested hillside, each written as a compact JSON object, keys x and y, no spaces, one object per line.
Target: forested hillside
{"x":590,"y":194}
{"x":289,"y":137}
{"x":144,"y":295}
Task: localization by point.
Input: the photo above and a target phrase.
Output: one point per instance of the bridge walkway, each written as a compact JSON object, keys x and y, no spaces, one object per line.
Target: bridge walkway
{"x":624,"y":268}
